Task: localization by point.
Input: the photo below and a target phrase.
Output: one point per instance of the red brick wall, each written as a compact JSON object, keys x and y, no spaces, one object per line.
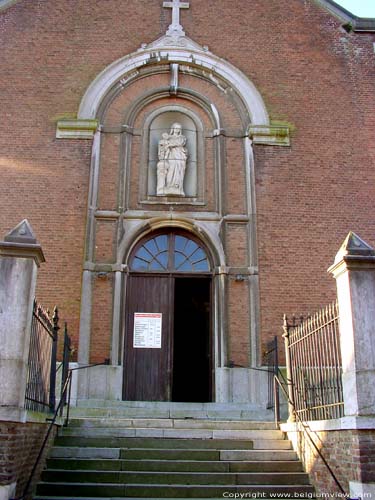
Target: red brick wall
{"x":349,"y":453}
{"x":310,"y":72}
{"x":19,"y":448}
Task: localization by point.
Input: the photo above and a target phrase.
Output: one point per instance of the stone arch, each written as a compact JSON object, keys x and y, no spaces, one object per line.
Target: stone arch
{"x":126,"y":69}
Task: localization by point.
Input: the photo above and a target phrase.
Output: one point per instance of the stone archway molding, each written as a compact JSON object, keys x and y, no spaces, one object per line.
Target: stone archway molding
{"x":208,"y":233}
{"x":204,"y":232}
{"x":127,"y":68}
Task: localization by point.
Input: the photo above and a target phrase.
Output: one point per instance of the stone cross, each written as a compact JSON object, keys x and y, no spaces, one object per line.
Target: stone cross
{"x":175,"y":5}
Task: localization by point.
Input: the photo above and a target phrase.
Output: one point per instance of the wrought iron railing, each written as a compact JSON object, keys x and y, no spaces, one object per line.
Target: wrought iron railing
{"x":271,"y":360}
{"x":67,"y":350}
{"x":41,"y":376}
{"x":314,"y":369}
{"x":283,"y":386}
{"x":64,"y":402}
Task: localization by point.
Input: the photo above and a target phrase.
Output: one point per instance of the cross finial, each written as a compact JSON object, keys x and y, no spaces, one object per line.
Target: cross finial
{"x":175,"y":28}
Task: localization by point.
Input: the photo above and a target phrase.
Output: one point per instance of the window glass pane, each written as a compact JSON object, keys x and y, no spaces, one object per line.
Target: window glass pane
{"x":199,"y":254}
{"x":155,"y":266}
{"x":162,"y":242}
{"x":186,"y":266}
{"x":143,"y":254}
{"x":139,"y":265}
{"x":201,"y":265}
{"x":151,"y":247}
{"x":180,"y":243}
{"x":190,"y":247}
{"x":163,"y":259}
{"x":179,"y":258}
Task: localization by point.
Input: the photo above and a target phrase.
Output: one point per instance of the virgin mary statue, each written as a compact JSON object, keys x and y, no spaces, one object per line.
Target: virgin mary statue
{"x":171,"y":167}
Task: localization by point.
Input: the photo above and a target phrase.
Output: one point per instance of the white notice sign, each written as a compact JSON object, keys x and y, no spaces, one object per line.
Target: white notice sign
{"x":147,"y":330}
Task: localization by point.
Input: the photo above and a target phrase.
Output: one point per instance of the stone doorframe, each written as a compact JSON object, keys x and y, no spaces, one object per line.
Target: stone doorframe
{"x":209,"y":235}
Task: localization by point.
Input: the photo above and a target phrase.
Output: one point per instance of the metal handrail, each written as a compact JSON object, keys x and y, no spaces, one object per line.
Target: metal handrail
{"x":66,"y":389}
{"x":306,"y":430}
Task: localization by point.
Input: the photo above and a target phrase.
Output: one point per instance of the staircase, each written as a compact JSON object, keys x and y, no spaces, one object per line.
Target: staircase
{"x":147,"y":450}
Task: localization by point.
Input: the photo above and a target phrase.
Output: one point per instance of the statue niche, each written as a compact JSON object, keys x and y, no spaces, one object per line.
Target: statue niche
{"x":171,"y":167}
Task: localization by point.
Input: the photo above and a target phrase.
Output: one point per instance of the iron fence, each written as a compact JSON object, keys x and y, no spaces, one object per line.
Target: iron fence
{"x":67,"y":350}
{"x":314,"y":368}
{"x":270,"y":359}
{"x":41,"y":377}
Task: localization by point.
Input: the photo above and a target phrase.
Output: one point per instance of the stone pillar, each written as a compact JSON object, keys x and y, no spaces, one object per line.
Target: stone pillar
{"x":354,"y":271}
{"x":20,"y":256}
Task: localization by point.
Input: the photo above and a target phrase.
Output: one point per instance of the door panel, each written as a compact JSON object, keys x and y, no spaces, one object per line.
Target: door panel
{"x":147,"y":371}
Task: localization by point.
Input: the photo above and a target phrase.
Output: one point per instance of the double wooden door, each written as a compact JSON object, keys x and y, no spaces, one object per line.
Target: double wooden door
{"x":178,"y":366}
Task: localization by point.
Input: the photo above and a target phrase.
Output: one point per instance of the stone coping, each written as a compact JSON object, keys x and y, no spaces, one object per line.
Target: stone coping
{"x":22,"y":251}
{"x":22,"y":416}
{"x":337,"y":424}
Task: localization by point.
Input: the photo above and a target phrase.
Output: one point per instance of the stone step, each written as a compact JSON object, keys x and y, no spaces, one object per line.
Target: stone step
{"x":165,"y":405}
{"x":190,"y":441}
{"x":169,"y":423}
{"x":171,"y":490}
{"x":195,"y":433}
{"x":139,"y":450}
{"x":175,"y":413}
{"x":173,"y":454}
{"x":173,"y":466}
{"x":153,"y":409}
{"x":176,"y":478}
{"x":151,"y":442}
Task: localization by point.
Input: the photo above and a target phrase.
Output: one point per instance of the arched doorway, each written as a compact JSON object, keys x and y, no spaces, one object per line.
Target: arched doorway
{"x":167,"y":345}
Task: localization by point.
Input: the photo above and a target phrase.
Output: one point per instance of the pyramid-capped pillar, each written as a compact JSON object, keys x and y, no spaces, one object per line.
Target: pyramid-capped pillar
{"x":21,"y":242}
{"x":354,"y":271}
{"x":20,"y":257}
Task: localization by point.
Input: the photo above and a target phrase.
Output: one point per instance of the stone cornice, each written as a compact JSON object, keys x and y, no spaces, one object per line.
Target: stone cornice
{"x":273,"y":135}
{"x":76,"y":129}
{"x":352,"y":263}
{"x":23,"y":251}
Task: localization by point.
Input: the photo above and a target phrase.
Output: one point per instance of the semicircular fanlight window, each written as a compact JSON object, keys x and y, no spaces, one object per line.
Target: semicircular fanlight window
{"x":170,"y":252}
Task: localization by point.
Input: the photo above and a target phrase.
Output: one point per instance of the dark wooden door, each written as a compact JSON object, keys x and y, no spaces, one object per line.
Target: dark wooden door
{"x":147,"y":371}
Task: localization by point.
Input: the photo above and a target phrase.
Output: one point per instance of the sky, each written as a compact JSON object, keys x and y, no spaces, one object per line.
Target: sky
{"x":361,"y":8}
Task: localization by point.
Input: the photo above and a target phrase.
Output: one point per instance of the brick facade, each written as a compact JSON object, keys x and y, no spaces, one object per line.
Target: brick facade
{"x":19,"y":447}
{"x":311,"y":73}
{"x":349,"y":453}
